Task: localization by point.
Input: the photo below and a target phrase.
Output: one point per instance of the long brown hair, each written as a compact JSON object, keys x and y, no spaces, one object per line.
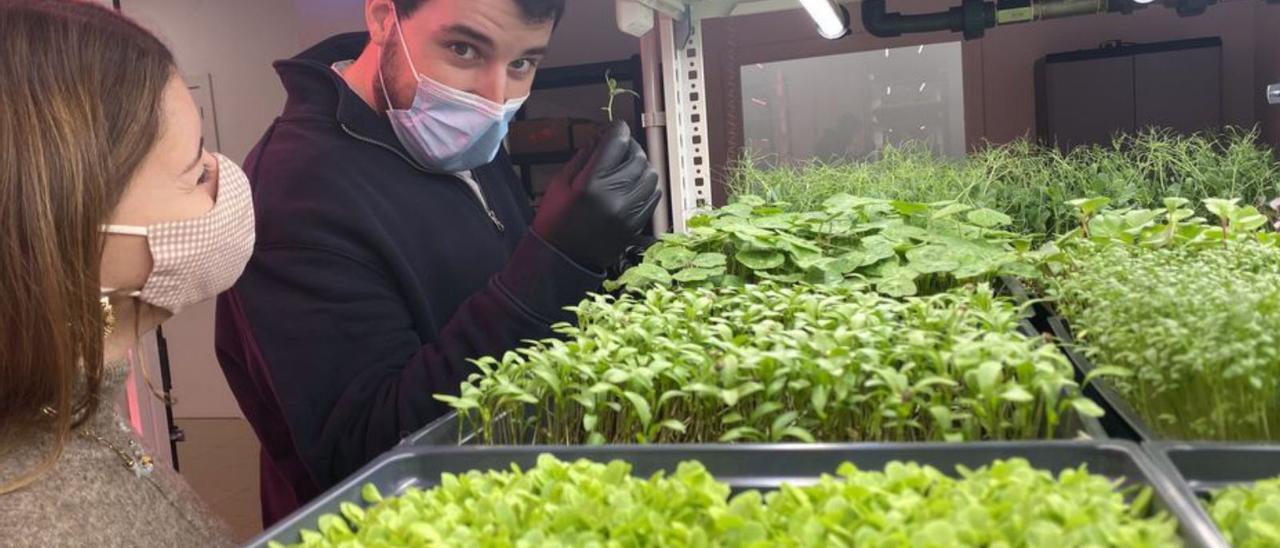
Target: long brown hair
{"x":80,"y":107}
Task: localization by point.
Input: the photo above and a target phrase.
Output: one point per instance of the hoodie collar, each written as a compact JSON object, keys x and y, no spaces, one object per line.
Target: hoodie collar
{"x":315,"y":90}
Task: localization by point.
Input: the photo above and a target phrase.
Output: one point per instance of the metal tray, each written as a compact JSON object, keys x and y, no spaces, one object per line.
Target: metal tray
{"x":1200,"y":468}
{"x":756,"y":467}
{"x":1122,"y":421}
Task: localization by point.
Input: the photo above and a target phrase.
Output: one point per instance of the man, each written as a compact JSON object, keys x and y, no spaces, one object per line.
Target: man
{"x":394,"y":240}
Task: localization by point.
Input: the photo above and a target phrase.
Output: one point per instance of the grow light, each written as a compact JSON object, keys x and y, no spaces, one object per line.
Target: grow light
{"x":832,"y":20}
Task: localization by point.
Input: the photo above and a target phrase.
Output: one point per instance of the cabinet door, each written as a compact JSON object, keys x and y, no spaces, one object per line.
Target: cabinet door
{"x":1088,"y":101}
{"x":1181,"y":90}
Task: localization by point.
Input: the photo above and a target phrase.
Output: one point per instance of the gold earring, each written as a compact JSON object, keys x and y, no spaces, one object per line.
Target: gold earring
{"x":108,"y":317}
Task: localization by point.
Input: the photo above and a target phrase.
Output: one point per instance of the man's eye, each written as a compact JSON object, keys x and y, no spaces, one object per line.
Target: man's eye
{"x":523,"y":65}
{"x":464,"y":51}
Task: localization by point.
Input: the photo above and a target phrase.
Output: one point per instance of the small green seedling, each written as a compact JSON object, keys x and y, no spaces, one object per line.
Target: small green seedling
{"x":615,"y":90}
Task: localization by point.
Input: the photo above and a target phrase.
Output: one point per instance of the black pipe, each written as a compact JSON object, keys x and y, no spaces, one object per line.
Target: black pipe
{"x":972,"y":18}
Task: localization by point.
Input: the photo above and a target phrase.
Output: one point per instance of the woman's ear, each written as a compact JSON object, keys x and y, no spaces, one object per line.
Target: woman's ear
{"x":379,"y":18}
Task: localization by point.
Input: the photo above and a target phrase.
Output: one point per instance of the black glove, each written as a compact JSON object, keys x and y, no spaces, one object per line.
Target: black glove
{"x":631,"y":256}
{"x":597,"y":206}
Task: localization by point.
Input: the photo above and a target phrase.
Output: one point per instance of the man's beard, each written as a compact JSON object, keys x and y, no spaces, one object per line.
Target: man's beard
{"x":393,"y":72}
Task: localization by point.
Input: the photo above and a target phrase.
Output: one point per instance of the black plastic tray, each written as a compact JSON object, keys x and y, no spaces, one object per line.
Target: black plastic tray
{"x":1200,"y":468}
{"x":1121,"y":421}
{"x":757,"y":467}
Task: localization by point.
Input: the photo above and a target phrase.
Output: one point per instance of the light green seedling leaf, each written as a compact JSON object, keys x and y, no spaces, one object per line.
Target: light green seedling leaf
{"x":672,"y":424}
{"x":369,"y":493}
{"x":1017,"y":394}
{"x":1087,"y":408}
{"x":354,"y":514}
{"x":1107,"y":371}
{"x":641,"y":406}
{"x":988,"y":375}
{"x":798,"y":433}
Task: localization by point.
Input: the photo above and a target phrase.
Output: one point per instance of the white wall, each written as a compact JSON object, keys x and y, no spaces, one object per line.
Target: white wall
{"x":236,"y":41}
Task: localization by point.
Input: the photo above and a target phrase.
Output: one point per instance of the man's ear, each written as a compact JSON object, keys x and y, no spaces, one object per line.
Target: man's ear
{"x":379,"y":18}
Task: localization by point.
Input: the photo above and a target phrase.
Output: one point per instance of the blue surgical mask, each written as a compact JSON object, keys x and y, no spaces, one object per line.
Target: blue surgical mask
{"x":449,"y":129}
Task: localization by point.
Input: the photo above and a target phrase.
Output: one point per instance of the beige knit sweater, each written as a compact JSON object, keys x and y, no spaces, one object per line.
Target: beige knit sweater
{"x":91,"y":499}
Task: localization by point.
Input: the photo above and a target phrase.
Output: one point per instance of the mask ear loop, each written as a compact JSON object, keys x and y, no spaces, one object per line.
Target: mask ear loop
{"x":404,"y":46}
{"x":141,"y":364}
{"x":136,"y":296}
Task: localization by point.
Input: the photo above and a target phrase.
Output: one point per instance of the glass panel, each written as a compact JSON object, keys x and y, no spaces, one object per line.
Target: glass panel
{"x":849,"y":106}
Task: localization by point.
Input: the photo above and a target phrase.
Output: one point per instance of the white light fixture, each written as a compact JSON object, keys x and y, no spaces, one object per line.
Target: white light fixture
{"x":832,"y":20}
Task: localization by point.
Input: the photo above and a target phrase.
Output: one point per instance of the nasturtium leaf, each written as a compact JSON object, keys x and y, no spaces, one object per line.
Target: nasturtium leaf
{"x":696,"y":274}
{"x":909,"y":208}
{"x":710,"y":260}
{"x":930,"y":259}
{"x":988,"y":218}
{"x":760,"y":259}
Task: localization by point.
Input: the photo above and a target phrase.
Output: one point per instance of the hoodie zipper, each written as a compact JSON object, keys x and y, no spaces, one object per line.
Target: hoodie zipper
{"x":477,"y":191}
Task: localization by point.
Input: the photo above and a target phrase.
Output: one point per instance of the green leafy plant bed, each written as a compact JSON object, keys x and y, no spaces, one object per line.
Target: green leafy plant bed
{"x":1249,"y":515}
{"x":1181,"y":315}
{"x":897,"y":248}
{"x":1032,"y":184}
{"x":584,"y":503}
{"x":776,"y":363}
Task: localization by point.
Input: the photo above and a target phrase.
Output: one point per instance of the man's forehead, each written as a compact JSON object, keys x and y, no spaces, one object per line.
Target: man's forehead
{"x":487,"y":17}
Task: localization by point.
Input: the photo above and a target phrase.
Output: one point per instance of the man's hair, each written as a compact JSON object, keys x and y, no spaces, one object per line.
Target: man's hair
{"x":536,"y":11}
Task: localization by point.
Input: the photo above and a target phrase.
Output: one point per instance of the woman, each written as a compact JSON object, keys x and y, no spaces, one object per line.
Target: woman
{"x":112,"y":218}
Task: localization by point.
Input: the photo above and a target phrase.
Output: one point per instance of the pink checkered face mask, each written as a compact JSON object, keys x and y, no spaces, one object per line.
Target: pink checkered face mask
{"x":196,"y":259}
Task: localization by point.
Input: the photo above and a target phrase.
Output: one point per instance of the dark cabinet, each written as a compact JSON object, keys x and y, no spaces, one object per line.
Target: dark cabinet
{"x":1084,"y":97}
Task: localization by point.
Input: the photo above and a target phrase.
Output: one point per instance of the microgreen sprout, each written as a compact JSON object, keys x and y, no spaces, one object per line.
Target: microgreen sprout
{"x":615,"y":89}
{"x":774,"y":363}
{"x":1030,"y":183}
{"x":1249,"y":515}
{"x":1186,"y":311}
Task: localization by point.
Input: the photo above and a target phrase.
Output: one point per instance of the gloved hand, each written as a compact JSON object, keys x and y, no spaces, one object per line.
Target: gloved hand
{"x":598,"y":205}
